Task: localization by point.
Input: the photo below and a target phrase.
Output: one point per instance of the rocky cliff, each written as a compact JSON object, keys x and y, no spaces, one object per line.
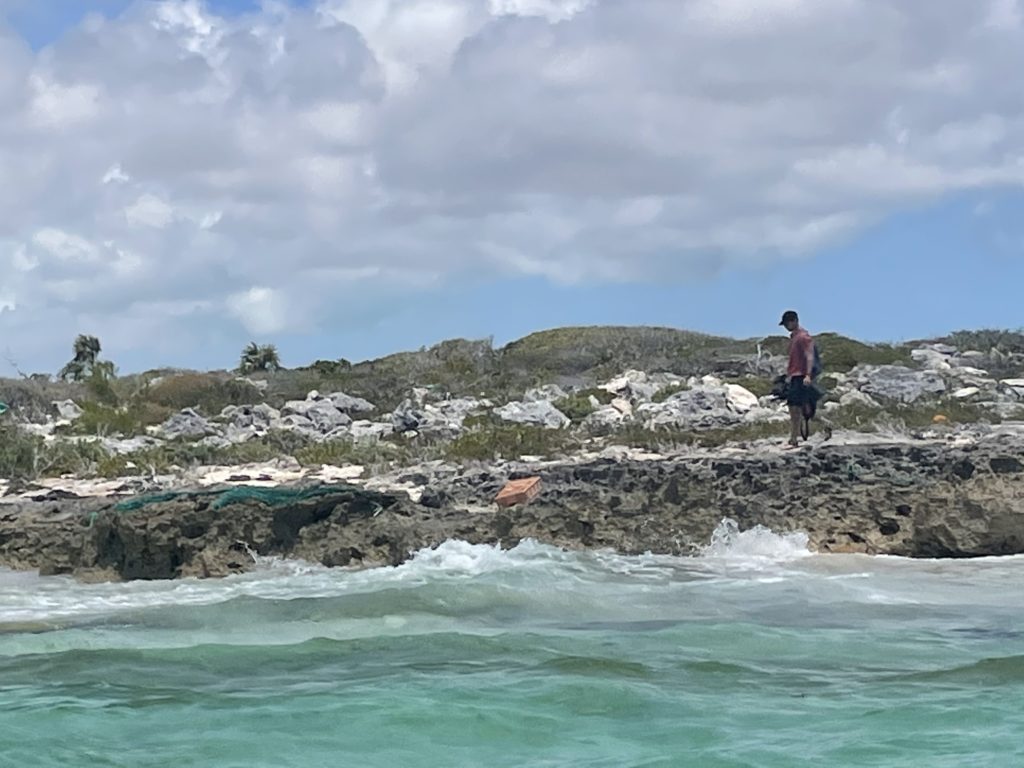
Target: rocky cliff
{"x":914,"y":499}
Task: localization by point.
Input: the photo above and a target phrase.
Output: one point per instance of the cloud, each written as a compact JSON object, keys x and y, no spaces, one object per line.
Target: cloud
{"x":185,"y":161}
{"x":261,"y":310}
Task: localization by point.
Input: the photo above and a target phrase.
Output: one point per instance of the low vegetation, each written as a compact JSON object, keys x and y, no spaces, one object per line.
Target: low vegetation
{"x":576,"y":359}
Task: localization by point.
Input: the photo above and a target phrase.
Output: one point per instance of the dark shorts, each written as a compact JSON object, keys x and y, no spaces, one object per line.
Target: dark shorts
{"x":798,"y":393}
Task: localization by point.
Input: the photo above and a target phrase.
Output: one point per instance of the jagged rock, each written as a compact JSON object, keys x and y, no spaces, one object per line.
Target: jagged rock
{"x":351,"y":405}
{"x":294,"y":422}
{"x":1013,"y":387}
{"x":442,"y":418}
{"x":67,"y":409}
{"x":605,"y":418}
{"x":188,"y":425}
{"x":370,"y":430}
{"x":257,"y":416}
{"x":897,"y":383}
{"x":326,"y":417}
{"x":933,"y":500}
{"x":639,"y":386}
{"x":542,"y":414}
{"x":708,"y":403}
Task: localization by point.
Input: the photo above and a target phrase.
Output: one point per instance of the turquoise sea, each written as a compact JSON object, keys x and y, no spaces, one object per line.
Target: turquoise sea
{"x":756,"y":653}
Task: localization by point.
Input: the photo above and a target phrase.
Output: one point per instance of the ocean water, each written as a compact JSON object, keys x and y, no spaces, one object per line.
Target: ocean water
{"x":756,"y":653}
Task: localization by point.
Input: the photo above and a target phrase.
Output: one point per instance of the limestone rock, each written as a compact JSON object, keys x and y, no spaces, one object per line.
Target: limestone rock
{"x":187,"y":425}
{"x":542,"y":414}
{"x":351,"y":405}
{"x":897,"y":383}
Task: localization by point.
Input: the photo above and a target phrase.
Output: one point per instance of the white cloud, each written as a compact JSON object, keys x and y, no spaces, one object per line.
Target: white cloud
{"x":172,"y":157}
{"x":262,"y":310}
{"x":149,"y":211}
{"x":115,"y":175}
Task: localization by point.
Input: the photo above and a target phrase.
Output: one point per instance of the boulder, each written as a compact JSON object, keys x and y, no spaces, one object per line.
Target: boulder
{"x":542,"y":414}
{"x":709,"y":403}
{"x":370,"y":430}
{"x":897,"y":383}
{"x":186,"y":425}
{"x":243,"y":416}
{"x":326,"y":417}
{"x":740,"y":399}
{"x":932,"y":358}
{"x":1013,"y":387}
{"x":604,"y":418}
{"x":351,"y":405}
{"x":441,"y":418}
{"x":640,"y":387}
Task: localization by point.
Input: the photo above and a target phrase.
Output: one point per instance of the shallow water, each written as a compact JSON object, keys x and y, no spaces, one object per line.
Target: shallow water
{"x":755,"y":654}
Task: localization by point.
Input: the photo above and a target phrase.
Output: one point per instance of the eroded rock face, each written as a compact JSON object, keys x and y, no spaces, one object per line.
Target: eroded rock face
{"x":914,"y":500}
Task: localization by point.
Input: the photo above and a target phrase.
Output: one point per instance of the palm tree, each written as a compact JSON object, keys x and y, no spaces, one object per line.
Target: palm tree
{"x":86,"y":349}
{"x":256,"y":357}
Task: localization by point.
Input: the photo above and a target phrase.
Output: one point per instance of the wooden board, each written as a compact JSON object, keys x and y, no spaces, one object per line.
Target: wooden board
{"x":518,"y":492}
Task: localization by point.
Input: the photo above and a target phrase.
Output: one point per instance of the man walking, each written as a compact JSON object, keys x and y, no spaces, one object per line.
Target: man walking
{"x":800,"y":395}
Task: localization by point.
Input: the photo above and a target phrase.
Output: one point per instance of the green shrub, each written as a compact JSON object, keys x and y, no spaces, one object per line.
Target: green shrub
{"x":19,"y":453}
{"x":841,"y":355}
{"x":508,"y":441}
{"x":207,"y":393}
{"x":667,"y":439}
{"x":130,"y":420}
{"x":577,"y":407}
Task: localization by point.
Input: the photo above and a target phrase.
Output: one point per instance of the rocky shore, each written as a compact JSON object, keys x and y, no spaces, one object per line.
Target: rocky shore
{"x":919,"y":452}
{"x":913,"y":498}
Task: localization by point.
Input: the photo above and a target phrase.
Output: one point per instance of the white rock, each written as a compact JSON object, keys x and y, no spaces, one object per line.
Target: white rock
{"x":542,"y":414}
{"x":623,"y":406}
{"x":739,"y":398}
{"x":349,"y":404}
{"x":970,"y":371}
{"x":607,"y":416}
{"x":897,"y":382}
{"x":370,"y":430}
{"x":1013,"y":387}
{"x":964,"y":393}
{"x":67,"y":409}
{"x":187,"y":424}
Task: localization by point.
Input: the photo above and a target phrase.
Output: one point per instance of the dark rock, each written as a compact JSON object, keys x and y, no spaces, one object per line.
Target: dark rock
{"x":934,"y":501}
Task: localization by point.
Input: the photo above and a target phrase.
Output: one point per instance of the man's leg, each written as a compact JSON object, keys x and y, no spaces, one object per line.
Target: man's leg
{"x":796,"y":420}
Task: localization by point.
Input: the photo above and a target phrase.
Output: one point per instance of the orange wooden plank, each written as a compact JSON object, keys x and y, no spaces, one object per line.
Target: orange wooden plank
{"x":518,"y":492}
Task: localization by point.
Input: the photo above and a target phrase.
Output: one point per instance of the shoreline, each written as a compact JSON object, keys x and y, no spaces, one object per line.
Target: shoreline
{"x":915,"y":498}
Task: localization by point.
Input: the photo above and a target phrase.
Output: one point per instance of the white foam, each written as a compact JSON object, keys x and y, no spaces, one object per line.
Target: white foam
{"x":757,"y":545}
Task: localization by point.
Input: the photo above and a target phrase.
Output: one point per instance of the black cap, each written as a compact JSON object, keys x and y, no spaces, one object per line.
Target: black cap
{"x":789,"y":316}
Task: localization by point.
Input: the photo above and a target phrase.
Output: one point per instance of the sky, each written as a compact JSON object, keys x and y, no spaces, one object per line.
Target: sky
{"x":350,"y":178}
